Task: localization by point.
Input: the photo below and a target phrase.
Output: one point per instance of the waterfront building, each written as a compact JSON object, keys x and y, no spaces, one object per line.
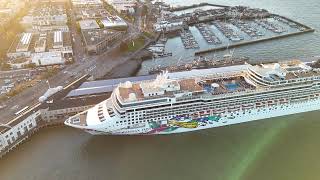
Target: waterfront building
{"x":69,"y":106}
{"x":165,"y":26}
{"x":16,"y":131}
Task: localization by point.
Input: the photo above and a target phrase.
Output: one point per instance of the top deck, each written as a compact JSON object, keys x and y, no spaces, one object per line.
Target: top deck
{"x":214,"y":81}
{"x":286,"y":70}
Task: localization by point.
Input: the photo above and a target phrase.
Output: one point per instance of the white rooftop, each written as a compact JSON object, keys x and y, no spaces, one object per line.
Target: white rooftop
{"x":47,"y":58}
{"x":57,"y":36}
{"x":114,"y":21}
{"x":88,"y":24}
{"x":26,"y":38}
{"x":86,"y":2}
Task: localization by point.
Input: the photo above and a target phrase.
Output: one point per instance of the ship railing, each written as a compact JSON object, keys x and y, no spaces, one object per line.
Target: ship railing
{"x":210,"y":96}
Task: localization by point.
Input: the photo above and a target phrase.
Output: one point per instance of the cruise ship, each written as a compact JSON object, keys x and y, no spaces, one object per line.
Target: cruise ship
{"x":207,"y":98}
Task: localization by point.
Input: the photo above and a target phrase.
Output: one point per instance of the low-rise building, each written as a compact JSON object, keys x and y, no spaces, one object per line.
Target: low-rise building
{"x":61,"y":42}
{"x":16,"y":131}
{"x":20,"y":47}
{"x":8,"y":9}
{"x":67,"y":107}
{"x":123,"y":6}
{"x":86,"y":3}
{"x":26,"y":44}
{"x":88,"y":24}
{"x":114,"y":22}
{"x":90,"y":13}
{"x":46,"y":17}
{"x":165,"y":26}
{"x":98,"y":40}
{"x":42,"y":49}
{"x":47,"y":58}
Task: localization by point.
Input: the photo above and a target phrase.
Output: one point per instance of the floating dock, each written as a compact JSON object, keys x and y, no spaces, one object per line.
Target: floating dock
{"x":306,"y":29}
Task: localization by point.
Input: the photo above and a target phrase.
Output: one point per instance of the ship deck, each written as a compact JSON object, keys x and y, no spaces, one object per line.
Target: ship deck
{"x":226,"y":85}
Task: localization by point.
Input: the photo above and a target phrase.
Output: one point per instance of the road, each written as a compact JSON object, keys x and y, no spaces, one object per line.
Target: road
{"x":97,"y":66}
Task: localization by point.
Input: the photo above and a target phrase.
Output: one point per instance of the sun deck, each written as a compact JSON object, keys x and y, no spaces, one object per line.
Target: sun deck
{"x":135,"y":89}
{"x":287,"y":70}
{"x":303,"y":74}
{"x":226,"y":85}
{"x":213,"y":86}
{"x":215,"y":83}
{"x":190,"y":85}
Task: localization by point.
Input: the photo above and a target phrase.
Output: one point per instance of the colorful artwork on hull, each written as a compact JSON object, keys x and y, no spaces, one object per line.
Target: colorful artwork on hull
{"x":181,"y":122}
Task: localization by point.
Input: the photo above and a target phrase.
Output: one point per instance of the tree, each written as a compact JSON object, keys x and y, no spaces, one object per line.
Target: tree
{"x":144,"y":10}
{"x":5,"y":66}
{"x":123,"y":46}
{"x":31,"y":65}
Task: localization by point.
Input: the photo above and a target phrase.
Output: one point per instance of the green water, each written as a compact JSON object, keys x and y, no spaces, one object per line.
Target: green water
{"x":278,"y":148}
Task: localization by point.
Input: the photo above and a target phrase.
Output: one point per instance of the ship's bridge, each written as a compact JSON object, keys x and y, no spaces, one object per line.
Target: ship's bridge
{"x":275,"y":73}
{"x":78,"y":121}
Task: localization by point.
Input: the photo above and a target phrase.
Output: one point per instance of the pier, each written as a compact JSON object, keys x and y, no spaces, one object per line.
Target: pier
{"x":75,"y":97}
{"x":22,"y":127}
{"x":253,"y":41}
{"x":227,"y":27}
{"x":181,"y":8}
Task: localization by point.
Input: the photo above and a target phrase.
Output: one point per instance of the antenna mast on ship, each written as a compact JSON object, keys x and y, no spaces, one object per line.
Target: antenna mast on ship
{"x":179,"y":60}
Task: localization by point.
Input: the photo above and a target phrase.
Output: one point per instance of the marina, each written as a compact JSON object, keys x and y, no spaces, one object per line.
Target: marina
{"x":222,"y":27}
{"x":228,"y":31}
{"x":208,"y":34}
{"x":188,"y":40}
{"x":250,"y":29}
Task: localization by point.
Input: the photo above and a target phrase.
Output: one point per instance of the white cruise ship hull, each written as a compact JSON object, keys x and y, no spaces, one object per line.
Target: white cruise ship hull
{"x":227,"y":119}
{"x":197,"y":100}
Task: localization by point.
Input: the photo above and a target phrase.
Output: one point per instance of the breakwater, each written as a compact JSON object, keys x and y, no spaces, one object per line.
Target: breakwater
{"x":181,"y":8}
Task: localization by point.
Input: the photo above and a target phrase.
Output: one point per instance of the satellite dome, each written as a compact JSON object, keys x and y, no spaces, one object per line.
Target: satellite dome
{"x":128,"y":84}
{"x":276,"y":66}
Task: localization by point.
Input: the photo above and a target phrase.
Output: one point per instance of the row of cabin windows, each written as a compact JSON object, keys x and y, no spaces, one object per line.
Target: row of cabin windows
{"x":231,"y":98}
{"x":129,"y":122}
{"x":203,"y":107}
{"x":180,"y":112}
{"x":249,"y":97}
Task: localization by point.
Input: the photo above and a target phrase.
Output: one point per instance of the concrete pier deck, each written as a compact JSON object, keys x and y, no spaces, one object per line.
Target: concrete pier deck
{"x":181,"y":8}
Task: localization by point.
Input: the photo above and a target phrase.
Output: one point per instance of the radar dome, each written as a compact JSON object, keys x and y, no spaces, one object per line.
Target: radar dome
{"x":128,"y":84}
{"x":276,"y":66}
{"x":132,"y":97}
